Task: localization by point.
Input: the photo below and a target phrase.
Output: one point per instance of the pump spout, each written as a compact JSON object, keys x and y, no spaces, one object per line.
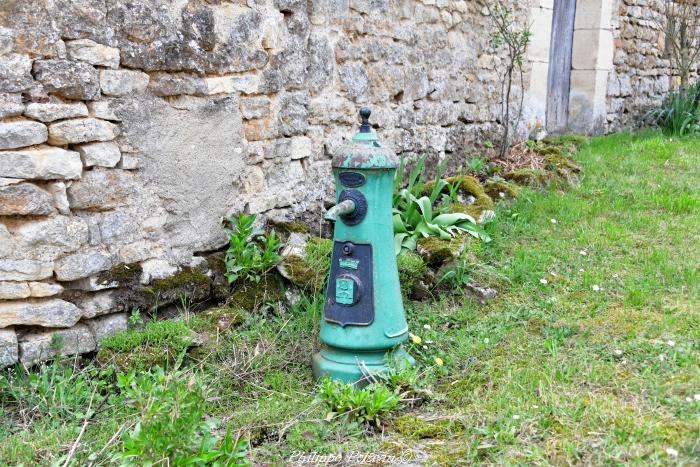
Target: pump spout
{"x":340,"y":209}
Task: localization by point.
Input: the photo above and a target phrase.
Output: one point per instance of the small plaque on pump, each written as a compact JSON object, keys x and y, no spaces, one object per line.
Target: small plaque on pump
{"x":350,"y":290}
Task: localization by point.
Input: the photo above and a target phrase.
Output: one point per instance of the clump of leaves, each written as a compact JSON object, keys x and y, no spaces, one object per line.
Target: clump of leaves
{"x":369,"y":404}
{"x":251,"y":252}
{"x":171,"y":426}
{"x":416,"y":216}
{"x":680,"y":113}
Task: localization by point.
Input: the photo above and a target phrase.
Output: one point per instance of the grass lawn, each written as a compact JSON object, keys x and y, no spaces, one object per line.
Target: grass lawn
{"x":589,"y":354}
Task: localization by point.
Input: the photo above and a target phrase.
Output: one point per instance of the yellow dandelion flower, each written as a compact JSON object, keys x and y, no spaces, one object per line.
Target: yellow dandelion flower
{"x":415,"y":339}
{"x":438,"y":361}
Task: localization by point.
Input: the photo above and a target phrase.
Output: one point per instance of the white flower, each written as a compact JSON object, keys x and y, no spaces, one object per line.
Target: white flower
{"x":596,"y":288}
{"x":426,"y":326}
{"x":486,"y":340}
{"x":618,"y":352}
{"x":553,"y":221}
{"x":662,"y":357}
{"x":543,"y":281}
{"x":696,"y":397}
{"x":583,"y":252}
{"x":671,"y":343}
{"x":581,"y":270}
{"x":553,"y":274}
{"x":535,"y":407}
{"x":688,"y":399}
{"x":516,"y":417}
{"x":671,"y":452}
{"x":615,"y":276}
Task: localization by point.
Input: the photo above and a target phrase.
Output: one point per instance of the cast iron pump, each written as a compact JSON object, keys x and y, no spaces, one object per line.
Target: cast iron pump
{"x":363,"y":316}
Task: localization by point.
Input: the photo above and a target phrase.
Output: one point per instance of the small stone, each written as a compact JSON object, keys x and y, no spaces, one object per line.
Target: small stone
{"x":93,"y":53}
{"x":5,"y":241}
{"x":39,"y":346}
{"x":246,"y":84}
{"x":45,"y":289}
{"x":43,"y":164}
{"x":618,"y":353}
{"x":60,"y":197}
{"x":255,"y":107}
{"x":13,"y":290}
{"x":9,"y":352}
{"x":100,"y":189}
{"x":100,"y":154}
{"x":72,"y":80}
{"x":129,"y":162}
{"x":21,"y":133}
{"x":81,"y":130}
{"x":50,"y":313}
{"x":139,"y":251}
{"x":174,"y":84}
{"x":301,"y":147}
{"x":24,"y":269}
{"x":154,"y":269}
{"x":123,"y":82}
{"x":25,"y":199}
{"x":10,"y":104}
{"x":15,"y":73}
{"x":50,"y":111}
{"x":79,"y":265}
{"x":259,"y":130}
{"x":354,"y":79}
{"x":106,"y":326}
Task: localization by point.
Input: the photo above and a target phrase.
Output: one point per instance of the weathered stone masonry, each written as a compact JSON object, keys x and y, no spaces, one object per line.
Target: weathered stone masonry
{"x":129,"y":128}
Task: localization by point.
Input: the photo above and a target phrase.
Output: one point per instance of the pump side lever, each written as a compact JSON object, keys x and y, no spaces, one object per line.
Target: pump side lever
{"x":341,"y":209}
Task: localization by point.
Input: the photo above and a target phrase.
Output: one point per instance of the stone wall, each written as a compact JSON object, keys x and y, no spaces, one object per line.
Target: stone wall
{"x":128,"y":129}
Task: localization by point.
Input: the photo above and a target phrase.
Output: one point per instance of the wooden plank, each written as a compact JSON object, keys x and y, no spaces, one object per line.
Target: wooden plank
{"x":559,"y":79}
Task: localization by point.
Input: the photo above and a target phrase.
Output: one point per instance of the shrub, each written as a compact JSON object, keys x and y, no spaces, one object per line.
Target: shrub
{"x":171,"y":427}
{"x":680,"y":113}
{"x":251,"y":253}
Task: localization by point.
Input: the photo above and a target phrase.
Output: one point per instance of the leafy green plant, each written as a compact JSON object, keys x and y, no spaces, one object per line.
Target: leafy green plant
{"x":251,"y":253}
{"x":368,"y":404}
{"x":135,"y":318}
{"x":476,"y":165}
{"x":680,"y":113}
{"x":171,"y":428}
{"x":457,"y":276}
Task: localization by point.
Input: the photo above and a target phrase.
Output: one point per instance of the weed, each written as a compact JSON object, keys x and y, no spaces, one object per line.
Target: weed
{"x":369,"y":404}
{"x":250,"y":253}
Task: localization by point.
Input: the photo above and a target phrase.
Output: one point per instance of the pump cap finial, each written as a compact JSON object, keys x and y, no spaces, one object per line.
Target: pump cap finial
{"x":365,"y":112}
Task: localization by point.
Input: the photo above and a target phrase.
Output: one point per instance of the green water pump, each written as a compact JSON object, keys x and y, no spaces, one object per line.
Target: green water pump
{"x":363,"y":316}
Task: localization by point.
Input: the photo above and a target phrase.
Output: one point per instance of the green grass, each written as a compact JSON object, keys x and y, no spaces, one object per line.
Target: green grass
{"x":589,"y":355}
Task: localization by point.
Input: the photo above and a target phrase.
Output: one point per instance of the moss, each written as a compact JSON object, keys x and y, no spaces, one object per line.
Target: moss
{"x":416,"y":428}
{"x":436,"y":251}
{"x":576,"y":140}
{"x":549,"y":150}
{"x":411,"y":267}
{"x":188,"y":282}
{"x":217,"y":320}
{"x":122,"y":274}
{"x":250,"y":297}
{"x":560,"y":162}
{"x":291,"y":227}
{"x":158,"y":343}
{"x":495,"y":187}
{"x":310,"y":271}
{"x":530,"y":177}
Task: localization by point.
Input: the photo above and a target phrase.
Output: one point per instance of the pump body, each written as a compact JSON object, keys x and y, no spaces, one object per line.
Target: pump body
{"x":363,"y":316}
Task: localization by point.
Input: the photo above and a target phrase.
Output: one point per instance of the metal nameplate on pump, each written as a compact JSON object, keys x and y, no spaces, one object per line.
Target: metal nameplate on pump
{"x":350,"y":298}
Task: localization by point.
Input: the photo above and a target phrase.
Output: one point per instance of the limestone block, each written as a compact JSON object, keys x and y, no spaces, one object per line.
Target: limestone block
{"x":259,"y":130}
{"x":98,"y":304}
{"x":50,"y":111}
{"x":593,"y":14}
{"x":174,"y":84}
{"x":25,"y":199}
{"x":6,"y":243}
{"x":129,"y":162}
{"x":587,"y":101}
{"x":9,"y":353}
{"x":106,"y":326}
{"x":99,"y":154}
{"x":100,"y":189}
{"x":50,"y":313}
{"x":10,"y":290}
{"x":19,"y":133}
{"x":10,"y":104}
{"x":24,"y":269}
{"x":354,"y":79}
{"x":44,"y":289}
{"x":15,"y":73}
{"x":593,"y":50}
{"x":50,"y":238}
{"x":39,"y":346}
{"x":301,"y":147}
{"x":246,"y":84}
{"x":153,"y":269}
{"x":91,"y":284}
{"x":104,"y":109}
{"x":255,"y":107}
{"x":123,"y":82}
{"x":293,"y":118}
{"x":93,"y":53}
{"x":72,"y":80}
{"x":45,"y":163}
{"x":81,"y":130}
{"x":139,"y":251}
{"x":541,"y":27}
{"x":79,"y":265}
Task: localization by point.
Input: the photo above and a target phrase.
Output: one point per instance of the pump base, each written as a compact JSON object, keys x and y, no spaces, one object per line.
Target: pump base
{"x":352,"y":366}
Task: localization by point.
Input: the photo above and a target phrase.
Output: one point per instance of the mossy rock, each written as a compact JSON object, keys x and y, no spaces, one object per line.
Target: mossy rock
{"x":436,"y":251}
{"x":310,"y":271}
{"x":413,"y":427}
{"x":251,"y":296}
{"x":411,"y":268}
{"x":498,"y":189}
{"x":291,"y":227}
{"x":549,"y":150}
{"x":530,"y":177}
{"x":220,"y":287}
{"x":217,"y":320}
{"x":158,"y":343}
{"x":560,"y":162}
{"x":123,"y":274}
{"x":191,"y":283}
